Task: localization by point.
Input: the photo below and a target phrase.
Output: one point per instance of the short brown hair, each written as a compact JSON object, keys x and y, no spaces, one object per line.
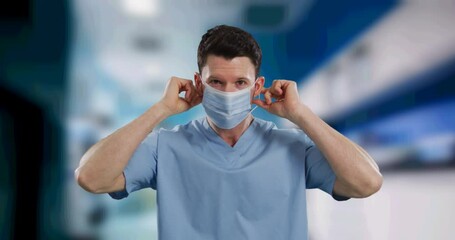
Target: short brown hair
{"x":228,"y":42}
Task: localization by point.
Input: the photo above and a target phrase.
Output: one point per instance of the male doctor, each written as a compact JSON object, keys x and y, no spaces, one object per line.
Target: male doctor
{"x":229,"y":175}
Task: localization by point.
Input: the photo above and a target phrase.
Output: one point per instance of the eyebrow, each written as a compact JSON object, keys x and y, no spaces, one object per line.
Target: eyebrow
{"x":218,"y":78}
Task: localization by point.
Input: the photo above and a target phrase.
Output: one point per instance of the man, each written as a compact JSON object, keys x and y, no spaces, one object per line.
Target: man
{"x":229,"y":175}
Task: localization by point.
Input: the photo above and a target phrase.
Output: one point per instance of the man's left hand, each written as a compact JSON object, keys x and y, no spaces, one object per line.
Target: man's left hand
{"x":287,"y":101}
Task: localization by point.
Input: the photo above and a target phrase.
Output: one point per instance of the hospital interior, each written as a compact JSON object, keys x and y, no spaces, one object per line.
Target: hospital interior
{"x":380,"y":72}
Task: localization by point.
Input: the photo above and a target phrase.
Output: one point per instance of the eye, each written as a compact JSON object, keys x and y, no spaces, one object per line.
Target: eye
{"x":242,"y":82}
{"x":215,"y":82}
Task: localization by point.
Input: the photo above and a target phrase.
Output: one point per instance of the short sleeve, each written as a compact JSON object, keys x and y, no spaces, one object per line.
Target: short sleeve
{"x":319,"y":174}
{"x":140,"y":171}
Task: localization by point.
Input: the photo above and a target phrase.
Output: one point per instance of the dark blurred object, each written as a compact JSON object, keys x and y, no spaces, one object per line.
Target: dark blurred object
{"x":33,"y":63}
{"x":23,"y":155}
{"x":13,"y":11}
{"x":97,"y":215}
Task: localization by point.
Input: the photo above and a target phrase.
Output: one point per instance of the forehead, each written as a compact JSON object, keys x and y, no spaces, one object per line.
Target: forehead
{"x":238,"y":67}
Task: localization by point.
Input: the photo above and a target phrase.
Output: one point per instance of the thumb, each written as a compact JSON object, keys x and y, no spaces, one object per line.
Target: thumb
{"x":261,"y":103}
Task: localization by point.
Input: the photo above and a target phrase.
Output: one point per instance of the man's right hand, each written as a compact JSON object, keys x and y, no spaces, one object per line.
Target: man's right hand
{"x":101,"y":167}
{"x":173,"y":103}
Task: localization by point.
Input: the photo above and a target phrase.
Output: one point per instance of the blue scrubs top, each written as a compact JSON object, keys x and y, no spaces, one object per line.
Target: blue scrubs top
{"x":207,"y":189}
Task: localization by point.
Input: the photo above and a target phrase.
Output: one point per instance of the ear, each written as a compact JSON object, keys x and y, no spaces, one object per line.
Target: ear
{"x":198,"y":83}
{"x":258,"y":86}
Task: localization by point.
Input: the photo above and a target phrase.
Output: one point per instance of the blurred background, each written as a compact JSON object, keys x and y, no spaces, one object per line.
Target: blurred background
{"x":380,"y":72}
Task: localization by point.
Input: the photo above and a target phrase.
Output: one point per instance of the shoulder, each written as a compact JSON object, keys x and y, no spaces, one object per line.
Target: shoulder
{"x":263,"y":125}
{"x":285,"y":135}
{"x":178,"y":134}
{"x":190,"y":128}
{"x":271,"y":126}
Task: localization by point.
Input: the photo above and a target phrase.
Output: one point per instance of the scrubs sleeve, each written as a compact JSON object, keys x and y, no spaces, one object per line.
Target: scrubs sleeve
{"x":318,"y":172}
{"x":140,"y":171}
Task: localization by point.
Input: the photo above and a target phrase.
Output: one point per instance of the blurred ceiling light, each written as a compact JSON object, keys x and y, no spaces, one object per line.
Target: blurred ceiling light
{"x":153,"y":70}
{"x":141,"y":8}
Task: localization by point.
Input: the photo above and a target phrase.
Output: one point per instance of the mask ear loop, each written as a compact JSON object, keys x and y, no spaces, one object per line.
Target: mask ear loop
{"x":253,"y":109}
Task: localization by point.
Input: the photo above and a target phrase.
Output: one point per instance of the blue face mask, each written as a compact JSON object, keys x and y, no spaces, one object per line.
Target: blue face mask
{"x":226,"y":109}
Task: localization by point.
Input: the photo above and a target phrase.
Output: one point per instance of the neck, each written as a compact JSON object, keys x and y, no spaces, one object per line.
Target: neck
{"x":231,"y":136}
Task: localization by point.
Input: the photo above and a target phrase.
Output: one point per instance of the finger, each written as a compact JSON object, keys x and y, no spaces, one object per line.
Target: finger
{"x":277,"y":88}
{"x":187,"y":87}
{"x":192,"y":96}
{"x":275,"y":96}
{"x":197,"y":99}
{"x":268,"y":97}
{"x":261,"y":103}
{"x":188,"y":95}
